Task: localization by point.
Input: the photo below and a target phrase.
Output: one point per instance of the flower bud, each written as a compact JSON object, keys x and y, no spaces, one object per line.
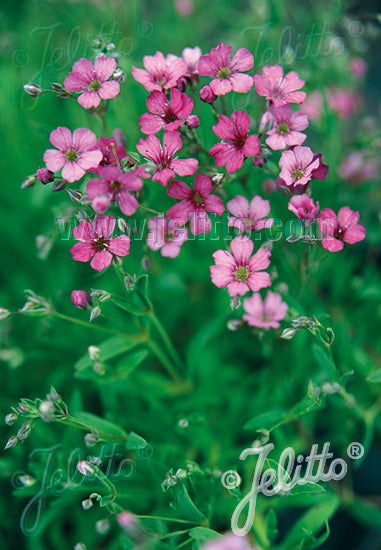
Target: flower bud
{"x":79,"y":546}
{"x":81,"y":299}
{"x":24,"y":431}
{"x":288,"y":333}
{"x":234,"y":324}
{"x":94,"y":353}
{"x":75,"y":195}
{"x":259,"y":161}
{"x":102,"y":526}
{"x":29,"y":181}
{"x":44,"y":175}
{"x":146,"y":263}
{"x":192,"y":121}
{"x":87,"y":504}
{"x":235,"y":303}
{"x":59,"y":185}
{"x":302,"y":322}
{"x":91,"y":439}
{"x":46,"y":409}
{"x":57,"y":87}
{"x":85,"y":468}
{"x":123,"y":226}
{"x":183,"y":423}
{"x":265,"y":122}
{"x":97,"y":43}
{"x":4,"y":313}
{"x":119,"y":75}
{"x":181,"y":84}
{"x":33,"y":89}
{"x":94,"y":313}
{"x":110,"y":46}
{"x":207,"y":95}
{"x":12,"y":442}
{"x":10,"y":419}
{"x":330,"y":388}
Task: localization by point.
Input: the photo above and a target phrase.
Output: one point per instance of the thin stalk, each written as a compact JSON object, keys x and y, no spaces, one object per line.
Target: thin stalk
{"x":89,"y":325}
{"x":164,"y":360}
{"x":166,"y":339}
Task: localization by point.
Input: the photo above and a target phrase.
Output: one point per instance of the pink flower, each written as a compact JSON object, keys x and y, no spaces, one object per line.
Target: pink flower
{"x":287,"y":127}
{"x":279,"y":89}
{"x":160,"y":74}
{"x":355,"y":168}
{"x":247,"y":218}
{"x":195,"y":203}
{"x":266,"y":314}
{"x":303,"y":207}
{"x":44,"y":175}
{"x":313,"y":106}
{"x":191,"y":57}
{"x":95,"y":242}
{"x":93,"y":81}
{"x":162,"y":157}
{"x":74,"y":154}
{"x":297,"y":166}
{"x":358,"y":66}
{"x":184,"y":7}
{"x":166,"y":236}
{"x":81,"y":299}
{"x":228,"y":542}
{"x":238,"y":145}
{"x":342,"y":101}
{"x":108,"y":153}
{"x":164,"y":113}
{"x":207,"y":95}
{"x":238,"y":270}
{"x":114,"y":185}
{"x":344,"y":228}
{"x":228,"y":73}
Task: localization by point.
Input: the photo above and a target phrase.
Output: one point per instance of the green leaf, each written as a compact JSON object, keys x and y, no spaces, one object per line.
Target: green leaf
{"x":132,"y":304}
{"x":365,"y":512}
{"x":327,"y":367}
{"x":271,"y":526}
{"x":374,"y":377}
{"x":135,"y":441}
{"x":203,"y":534}
{"x":105,"y":428}
{"x":265,"y":420}
{"x":186,"y":505}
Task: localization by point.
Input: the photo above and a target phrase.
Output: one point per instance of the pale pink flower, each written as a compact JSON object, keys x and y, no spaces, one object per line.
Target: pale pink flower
{"x":238,"y":145}
{"x":75,"y":152}
{"x":344,"y":102}
{"x":344,"y":228}
{"x":264,"y":314}
{"x":184,"y":7}
{"x":238,"y":270}
{"x":228,"y":542}
{"x":297,"y":166}
{"x":165,"y":113}
{"x":191,"y":57}
{"x":81,"y":299}
{"x":313,"y":106}
{"x":287,"y":127}
{"x":358,"y":66}
{"x":96,"y":243}
{"x":166,"y":236}
{"x":161,"y":73}
{"x":114,"y":185}
{"x":93,"y":81}
{"x":162,"y":157}
{"x":356,"y":168}
{"x":195,"y":203}
{"x":303,"y":207}
{"x":278,"y":88}
{"x":228,"y":73}
{"x":248,"y":217}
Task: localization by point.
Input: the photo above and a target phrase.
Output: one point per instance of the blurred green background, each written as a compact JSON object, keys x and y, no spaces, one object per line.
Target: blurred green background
{"x":40,"y":40}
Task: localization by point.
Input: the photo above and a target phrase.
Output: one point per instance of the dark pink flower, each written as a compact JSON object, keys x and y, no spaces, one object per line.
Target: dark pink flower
{"x":297,"y":166}
{"x":81,"y":299}
{"x":248,"y":217}
{"x":238,"y":270}
{"x":93,"y":80}
{"x":161,"y":73}
{"x":278,"y":88}
{"x":320,"y":173}
{"x":44,"y":175}
{"x":266,"y":314}
{"x":74,"y":154}
{"x":114,"y":185}
{"x":207,"y":95}
{"x":238,"y":145}
{"x":96,"y":243}
{"x":228,"y":73}
{"x":340,"y":230}
{"x":166,"y":166}
{"x":287,"y":127}
{"x":164,"y":113}
{"x":303,"y":207}
{"x":195,"y":203}
{"x":166,"y":236}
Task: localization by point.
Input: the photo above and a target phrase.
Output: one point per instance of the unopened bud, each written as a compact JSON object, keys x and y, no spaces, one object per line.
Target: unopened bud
{"x":24,"y":431}
{"x":235,"y":303}
{"x":302,"y":322}
{"x":95,"y":312}
{"x":44,"y":175}
{"x":192,"y":121}
{"x":57,"y":87}
{"x":91,"y":439}
{"x":119,"y":75}
{"x":102,"y":526}
{"x":33,"y":89}
{"x":75,"y":195}
{"x":79,"y":546}
{"x":96,"y":43}
{"x":183,"y":423}
{"x":288,"y":333}
{"x":29,"y":181}
{"x":81,"y":299}
{"x":292,"y":239}
{"x":59,"y":185}
{"x":4,"y":313}
{"x":330,"y":388}
{"x":110,"y":46}
{"x":234,"y":324}
{"x":12,"y":442}
{"x":265,"y":122}
{"x":85,"y":468}
{"x":10,"y":419}
{"x":207,"y":95}
{"x":94,"y":353}
{"x":146,"y":263}
{"x":259,"y":161}
{"x":87,"y":504}
{"x":46,"y":409}
{"x":181,"y":474}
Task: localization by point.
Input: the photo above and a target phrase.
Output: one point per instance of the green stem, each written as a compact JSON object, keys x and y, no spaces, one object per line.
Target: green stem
{"x":164,"y":360}
{"x":150,"y":210}
{"x":116,"y":156}
{"x":89,"y":325}
{"x":166,"y":339}
{"x":168,"y":519}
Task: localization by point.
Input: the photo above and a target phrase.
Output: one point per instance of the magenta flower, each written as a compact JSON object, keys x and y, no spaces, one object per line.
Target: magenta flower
{"x":81,"y":299}
{"x":162,"y":157}
{"x":228,"y":73}
{"x":277,"y":88}
{"x":297,"y":166}
{"x":74,"y":154}
{"x":340,"y":230}
{"x":93,"y":81}
{"x":164,"y":113}
{"x":248,"y":217}
{"x":207,"y":95}
{"x":238,"y":145}
{"x":287,"y":127}
{"x":166,"y":236}
{"x":95,"y":242}
{"x":44,"y":175}
{"x":303,"y":207}
{"x":195,"y":203}
{"x":266,"y":314}
{"x":114,"y":185}
{"x":161,"y":73}
{"x":238,"y":270}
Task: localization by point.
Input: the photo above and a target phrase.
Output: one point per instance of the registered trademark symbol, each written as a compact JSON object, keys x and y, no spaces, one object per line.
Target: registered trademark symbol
{"x":355,"y":450}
